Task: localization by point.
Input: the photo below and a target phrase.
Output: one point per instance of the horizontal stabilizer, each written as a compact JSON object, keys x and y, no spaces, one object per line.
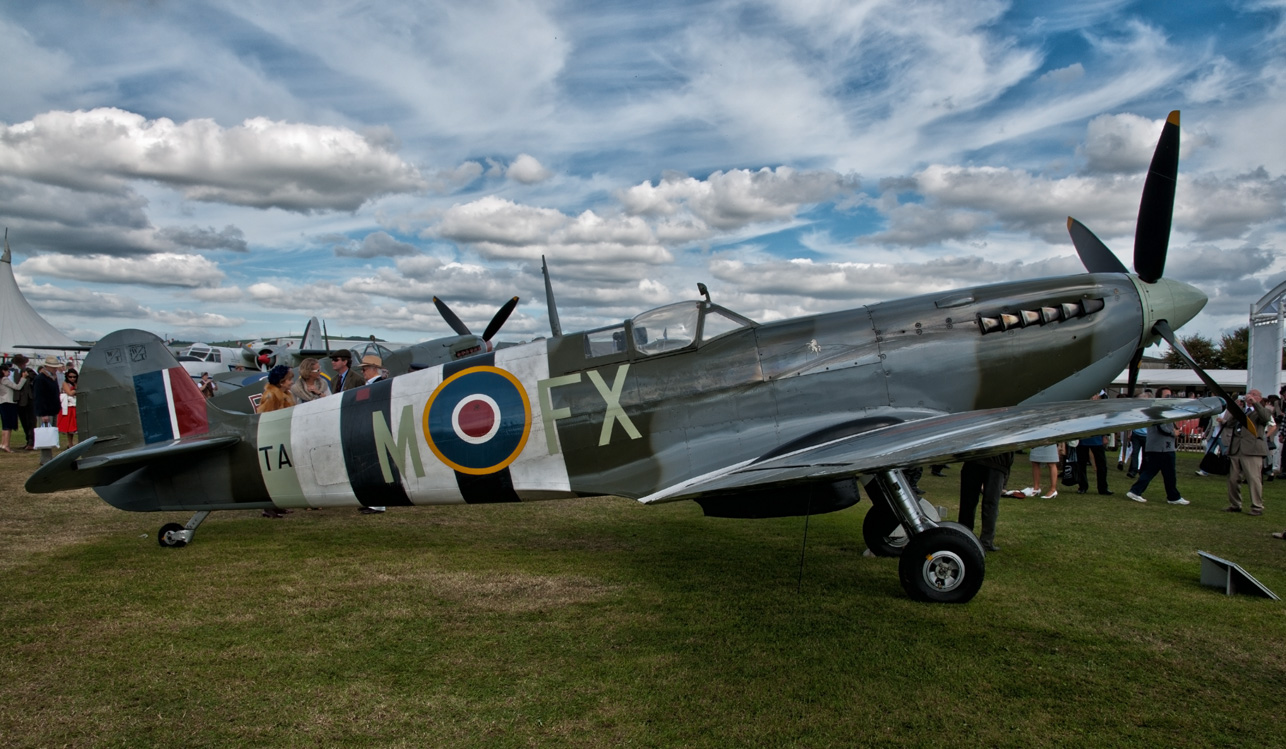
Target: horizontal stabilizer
{"x":949,"y":438}
{"x":74,"y":468}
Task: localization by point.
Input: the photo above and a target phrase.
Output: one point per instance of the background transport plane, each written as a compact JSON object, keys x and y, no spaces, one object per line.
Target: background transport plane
{"x":686,"y":401}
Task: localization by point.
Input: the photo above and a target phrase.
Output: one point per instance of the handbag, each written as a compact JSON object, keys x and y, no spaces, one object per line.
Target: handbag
{"x":1070,"y":477}
{"x":46,"y":437}
{"x":1215,"y":464}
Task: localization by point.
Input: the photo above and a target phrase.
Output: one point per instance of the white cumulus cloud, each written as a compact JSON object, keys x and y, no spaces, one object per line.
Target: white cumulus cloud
{"x":260,"y":163}
{"x":160,"y":269}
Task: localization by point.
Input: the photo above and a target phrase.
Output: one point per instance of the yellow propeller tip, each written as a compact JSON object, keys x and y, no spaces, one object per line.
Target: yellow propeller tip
{"x":1173,"y":119}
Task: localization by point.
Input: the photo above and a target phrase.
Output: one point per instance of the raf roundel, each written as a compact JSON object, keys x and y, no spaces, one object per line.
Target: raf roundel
{"x":478,"y":420}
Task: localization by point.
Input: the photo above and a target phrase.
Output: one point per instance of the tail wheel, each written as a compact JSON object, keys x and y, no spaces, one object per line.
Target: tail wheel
{"x":942,"y":565}
{"x":163,"y":536}
{"x":881,"y":530}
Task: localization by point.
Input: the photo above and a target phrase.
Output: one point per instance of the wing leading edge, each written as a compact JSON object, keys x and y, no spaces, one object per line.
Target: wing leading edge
{"x":941,"y":439}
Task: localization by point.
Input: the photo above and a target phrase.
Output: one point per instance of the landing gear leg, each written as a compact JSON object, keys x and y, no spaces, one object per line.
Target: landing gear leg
{"x":902,"y":501}
{"x":882,"y":528}
{"x":175,"y":536}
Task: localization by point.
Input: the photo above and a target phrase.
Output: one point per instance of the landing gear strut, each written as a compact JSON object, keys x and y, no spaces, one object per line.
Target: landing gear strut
{"x":882,"y":528}
{"x":175,"y":536}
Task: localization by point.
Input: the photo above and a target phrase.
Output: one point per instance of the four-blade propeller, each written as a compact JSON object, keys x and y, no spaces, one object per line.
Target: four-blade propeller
{"x":1151,"y":243}
{"x":493,"y":327}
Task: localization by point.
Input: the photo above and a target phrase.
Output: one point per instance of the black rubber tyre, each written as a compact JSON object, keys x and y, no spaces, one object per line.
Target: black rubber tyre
{"x":942,"y":565}
{"x":966,"y":533}
{"x":160,"y":536}
{"x":877,"y":530}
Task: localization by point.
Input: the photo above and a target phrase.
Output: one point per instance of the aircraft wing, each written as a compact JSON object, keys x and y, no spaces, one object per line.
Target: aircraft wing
{"x":948,"y":438}
{"x":28,"y":347}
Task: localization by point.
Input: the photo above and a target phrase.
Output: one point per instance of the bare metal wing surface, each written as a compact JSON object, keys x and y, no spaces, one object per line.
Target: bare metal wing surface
{"x":947,"y":438}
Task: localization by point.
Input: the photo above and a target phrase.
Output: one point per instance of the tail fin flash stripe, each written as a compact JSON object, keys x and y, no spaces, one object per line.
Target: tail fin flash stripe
{"x":169,"y":405}
{"x":190,"y":412}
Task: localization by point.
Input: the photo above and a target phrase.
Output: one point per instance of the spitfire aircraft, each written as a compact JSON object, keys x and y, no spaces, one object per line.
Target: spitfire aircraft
{"x":690,"y":401}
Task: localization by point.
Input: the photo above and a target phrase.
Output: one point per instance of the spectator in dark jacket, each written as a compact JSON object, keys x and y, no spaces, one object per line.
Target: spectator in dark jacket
{"x":45,"y":393}
{"x":23,"y":399}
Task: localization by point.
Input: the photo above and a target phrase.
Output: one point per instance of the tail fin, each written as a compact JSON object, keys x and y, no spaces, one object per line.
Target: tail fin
{"x":312,"y":343}
{"x":133,"y":391}
{"x":135,"y":403}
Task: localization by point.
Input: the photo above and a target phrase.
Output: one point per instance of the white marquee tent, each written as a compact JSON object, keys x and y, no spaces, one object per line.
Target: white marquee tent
{"x":21,"y":327}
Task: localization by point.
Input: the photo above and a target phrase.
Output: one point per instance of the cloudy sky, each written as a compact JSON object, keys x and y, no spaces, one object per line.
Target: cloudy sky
{"x":224,"y":169}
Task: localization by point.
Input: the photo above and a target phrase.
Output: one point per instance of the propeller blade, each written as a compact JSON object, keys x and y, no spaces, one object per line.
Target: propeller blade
{"x":502,"y":314}
{"x":1156,"y":209}
{"x":456,"y":324}
{"x":1095,"y":255}
{"x":1163,"y":328}
{"x":1134,"y":370}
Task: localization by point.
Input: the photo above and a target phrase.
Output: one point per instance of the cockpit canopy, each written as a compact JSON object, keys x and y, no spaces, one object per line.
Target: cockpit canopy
{"x":202,"y":352}
{"x":670,"y":328}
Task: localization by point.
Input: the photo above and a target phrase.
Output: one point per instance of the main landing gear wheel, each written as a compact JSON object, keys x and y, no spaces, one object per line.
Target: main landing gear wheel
{"x":942,"y":565}
{"x":164,"y":539}
{"x":881,"y":530}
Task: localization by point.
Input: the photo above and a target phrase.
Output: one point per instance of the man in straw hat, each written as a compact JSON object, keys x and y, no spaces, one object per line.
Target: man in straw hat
{"x":373,"y":368}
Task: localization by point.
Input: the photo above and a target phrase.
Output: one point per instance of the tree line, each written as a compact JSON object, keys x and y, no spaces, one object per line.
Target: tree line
{"x":1232,"y":352}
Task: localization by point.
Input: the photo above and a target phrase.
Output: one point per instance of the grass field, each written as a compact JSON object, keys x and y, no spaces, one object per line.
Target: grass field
{"x":601,"y":622}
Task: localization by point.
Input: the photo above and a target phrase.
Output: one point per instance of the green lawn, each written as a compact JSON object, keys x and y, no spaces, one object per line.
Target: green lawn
{"x":601,"y":622}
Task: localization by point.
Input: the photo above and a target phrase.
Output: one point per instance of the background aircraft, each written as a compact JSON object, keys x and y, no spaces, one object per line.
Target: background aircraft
{"x":265,"y":354}
{"x":686,"y":401}
{"x":240,"y":391}
{"x":450,"y":348}
{"x":202,"y":357}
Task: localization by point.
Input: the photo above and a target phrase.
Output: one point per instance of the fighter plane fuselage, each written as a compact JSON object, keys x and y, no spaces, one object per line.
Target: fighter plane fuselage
{"x":673,"y":394}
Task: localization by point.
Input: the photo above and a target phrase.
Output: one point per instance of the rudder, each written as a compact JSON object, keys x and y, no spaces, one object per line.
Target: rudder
{"x":134,"y":392}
